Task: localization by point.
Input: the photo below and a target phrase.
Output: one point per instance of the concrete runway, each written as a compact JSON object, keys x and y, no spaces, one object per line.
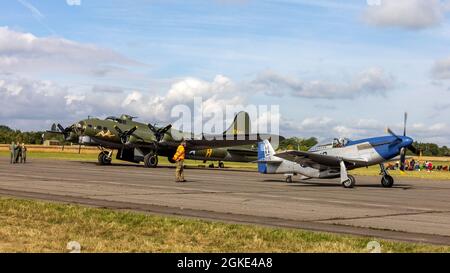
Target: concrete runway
{"x":413,"y":210}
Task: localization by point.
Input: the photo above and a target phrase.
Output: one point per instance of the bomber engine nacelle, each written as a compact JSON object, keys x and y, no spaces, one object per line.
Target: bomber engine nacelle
{"x":133,"y":139}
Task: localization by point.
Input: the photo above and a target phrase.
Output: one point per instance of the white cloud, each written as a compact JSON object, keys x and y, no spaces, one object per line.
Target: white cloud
{"x":27,"y":54}
{"x":373,"y":81}
{"x":73,"y":2}
{"x":441,"y":69}
{"x":22,"y":98}
{"x":409,"y":14}
{"x":26,"y":99}
{"x":70,"y":99}
{"x":215,"y":95}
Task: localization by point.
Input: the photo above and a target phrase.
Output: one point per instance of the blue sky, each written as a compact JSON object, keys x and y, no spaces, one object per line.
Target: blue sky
{"x":334,"y":67}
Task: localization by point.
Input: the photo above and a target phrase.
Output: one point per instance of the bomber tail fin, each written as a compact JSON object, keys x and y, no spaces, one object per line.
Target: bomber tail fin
{"x":240,"y":125}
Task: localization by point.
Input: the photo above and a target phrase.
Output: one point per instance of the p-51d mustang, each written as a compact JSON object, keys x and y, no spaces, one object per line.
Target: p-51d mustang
{"x":332,"y":160}
{"x":137,"y":142}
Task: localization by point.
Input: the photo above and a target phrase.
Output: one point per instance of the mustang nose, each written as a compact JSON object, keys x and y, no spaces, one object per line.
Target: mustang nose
{"x":407,"y":141}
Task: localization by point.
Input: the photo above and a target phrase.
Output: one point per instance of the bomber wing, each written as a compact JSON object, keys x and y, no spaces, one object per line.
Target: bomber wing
{"x":222,"y":141}
{"x":243,"y":152}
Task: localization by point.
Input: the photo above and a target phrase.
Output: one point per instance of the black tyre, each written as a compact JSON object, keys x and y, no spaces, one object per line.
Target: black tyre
{"x":103,"y":158}
{"x":288,"y":179}
{"x":221,"y":165}
{"x":350,"y":183}
{"x":387,"y":181}
{"x":151,"y":160}
{"x":211,"y":166}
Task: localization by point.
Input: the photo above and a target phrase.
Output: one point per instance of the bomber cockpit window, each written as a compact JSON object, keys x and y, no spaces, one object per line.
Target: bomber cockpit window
{"x":115,"y":119}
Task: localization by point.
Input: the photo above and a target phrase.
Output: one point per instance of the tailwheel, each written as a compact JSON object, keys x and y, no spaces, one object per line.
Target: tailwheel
{"x":387,"y":181}
{"x":151,"y":160}
{"x":104,"y":158}
{"x":288,"y":179}
{"x":350,"y":182}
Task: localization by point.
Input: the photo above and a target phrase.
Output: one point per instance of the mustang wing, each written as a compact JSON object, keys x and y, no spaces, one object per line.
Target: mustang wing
{"x":317,"y":160}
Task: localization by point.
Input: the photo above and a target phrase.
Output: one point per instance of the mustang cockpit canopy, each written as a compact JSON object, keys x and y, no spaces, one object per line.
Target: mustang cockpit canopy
{"x":328,"y":144}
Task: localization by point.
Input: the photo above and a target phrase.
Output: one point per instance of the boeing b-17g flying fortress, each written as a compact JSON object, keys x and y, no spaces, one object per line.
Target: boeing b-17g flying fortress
{"x":137,"y":142}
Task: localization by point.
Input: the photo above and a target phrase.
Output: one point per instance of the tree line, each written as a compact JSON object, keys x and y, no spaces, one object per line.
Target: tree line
{"x":8,"y":135}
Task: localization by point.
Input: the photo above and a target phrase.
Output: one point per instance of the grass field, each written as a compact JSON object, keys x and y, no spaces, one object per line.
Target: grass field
{"x":35,"y":226}
{"x":436,"y":175}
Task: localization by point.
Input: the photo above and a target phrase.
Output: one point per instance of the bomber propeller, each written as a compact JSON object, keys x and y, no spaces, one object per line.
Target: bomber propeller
{"x":159,"y":133}
{"x":59,"y":129}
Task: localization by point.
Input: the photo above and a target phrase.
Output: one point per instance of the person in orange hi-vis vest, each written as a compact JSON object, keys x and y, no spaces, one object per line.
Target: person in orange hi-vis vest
{"x":179,"y":158}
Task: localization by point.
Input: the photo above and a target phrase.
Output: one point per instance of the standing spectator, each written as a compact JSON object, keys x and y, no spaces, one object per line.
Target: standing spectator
{"x":18,"y":153}
{"x":412,"y":164}
{"x":12,"y":149}
{"x":430,"y":166}
{"x":23,"y":150}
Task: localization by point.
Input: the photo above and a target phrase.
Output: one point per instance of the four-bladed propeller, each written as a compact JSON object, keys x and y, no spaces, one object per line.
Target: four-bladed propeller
{"x":403,"y":149}
{"x":159,"y":133}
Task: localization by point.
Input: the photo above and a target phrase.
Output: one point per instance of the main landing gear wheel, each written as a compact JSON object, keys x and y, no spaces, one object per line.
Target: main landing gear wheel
{"x":350,"y":182}
{"x":387,"y":181}
{"x":288,"y":179}
{"x":103,"y":158}
{"x":221,"y":165}
{"x":151,"y":160}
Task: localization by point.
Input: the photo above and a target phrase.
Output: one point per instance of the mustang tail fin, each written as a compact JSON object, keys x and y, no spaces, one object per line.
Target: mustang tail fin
{"x":265,"y":152}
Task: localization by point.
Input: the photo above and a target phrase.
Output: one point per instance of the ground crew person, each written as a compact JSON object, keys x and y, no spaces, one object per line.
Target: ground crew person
{"x":179,"y":158}
{"x":12,"y":148}
{"x":23,"y":151}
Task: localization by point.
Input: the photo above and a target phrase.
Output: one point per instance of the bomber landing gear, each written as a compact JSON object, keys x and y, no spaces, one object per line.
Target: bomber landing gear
{"x":221,"y":165}
{"x":386,"y":180}
{"x":151,"y":160}
{"x":104,"y":158}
